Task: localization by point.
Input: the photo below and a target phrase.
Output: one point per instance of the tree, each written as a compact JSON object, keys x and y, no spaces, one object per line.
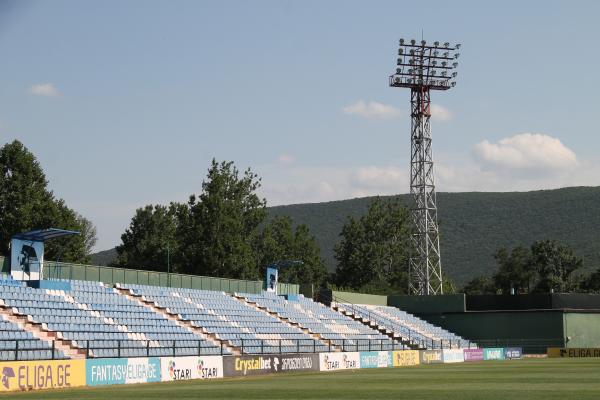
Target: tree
{"x":26,"y":204}
{"x":279,"y":241}
{"x":373,"y":250}
{"x":222,"y":222}
{"x":514,"y":271}
{"x":479,"y":285}
{"x":555,"y":264}
{"x":591,"y":283}
{"x":151,"y":233}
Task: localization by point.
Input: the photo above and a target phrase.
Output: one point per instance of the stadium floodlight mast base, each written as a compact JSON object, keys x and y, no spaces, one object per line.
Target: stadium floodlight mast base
{"x":422,"y":68}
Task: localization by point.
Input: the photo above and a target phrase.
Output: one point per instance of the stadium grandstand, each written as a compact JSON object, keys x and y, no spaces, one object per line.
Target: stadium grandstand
{"x":86,"y":319}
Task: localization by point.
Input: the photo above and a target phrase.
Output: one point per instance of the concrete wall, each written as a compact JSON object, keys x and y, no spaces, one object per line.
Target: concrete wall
{"x":582,"y":329}
{"x":359,"y":298}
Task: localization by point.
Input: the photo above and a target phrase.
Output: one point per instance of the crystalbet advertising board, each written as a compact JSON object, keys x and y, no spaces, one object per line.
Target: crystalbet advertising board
{"x":267,"y":364}
{"x":36,"y":375}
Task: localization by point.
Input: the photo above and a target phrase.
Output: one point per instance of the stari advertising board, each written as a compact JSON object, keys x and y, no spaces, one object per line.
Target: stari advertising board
{"x":404,"y":358}
{"x":183,"y":368}
{"x":453,"y":356}
{"x":376,"y":359}
{"x":431,"y":357}
{"x":339,"y":361}
{"x":494,"y":353}
{"x":269,"y":364}
{"x":473,"y":354}
{"x":554,"y":352}
{"x":36,"y":375}
{"x":114,"y":371}
{"x":512,"y":353}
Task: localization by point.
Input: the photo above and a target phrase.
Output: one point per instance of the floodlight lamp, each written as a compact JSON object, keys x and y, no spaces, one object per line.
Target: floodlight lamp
{"x":455,"y":64}
{"x":446,"y":44}
{"x":423,"y":43}
{"x":398,"y":70}
{"x":443,"y":73}
{"x":399,"y":61}
{"x":397,"y":79}
{"x":454,"y":74}
{"x":456,"y":55}
{"x":401,"y":42}
{"x":400,"y":51}
{"x":446,"y":54}
{"x":434,"y":62}
{"x":435,"y":53}
{"x":436,"y":43}
{"x":444,"y":63}
{"x":433,"y":73}
{"x":412,"y":52}
{"x":458,"y":46}
{"x":453,"y":84}
{"x":413,"y":41}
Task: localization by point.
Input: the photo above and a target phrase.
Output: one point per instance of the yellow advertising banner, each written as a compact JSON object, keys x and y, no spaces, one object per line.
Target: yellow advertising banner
{"x":557,"y":352}
{"x":405,"y":358}
{"x":36,"y":375}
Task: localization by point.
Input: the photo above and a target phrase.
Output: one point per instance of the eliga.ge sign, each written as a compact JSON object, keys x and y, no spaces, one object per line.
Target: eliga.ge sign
{"x":35,"y":375}
{"x":267,"y":364}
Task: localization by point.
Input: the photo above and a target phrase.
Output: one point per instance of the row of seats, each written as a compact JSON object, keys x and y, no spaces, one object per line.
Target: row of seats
{"x":329,"y":324}
{"x":420,"y":332}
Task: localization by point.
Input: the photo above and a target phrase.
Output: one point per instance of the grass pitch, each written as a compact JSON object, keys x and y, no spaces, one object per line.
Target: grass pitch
{"x":518,"y":379}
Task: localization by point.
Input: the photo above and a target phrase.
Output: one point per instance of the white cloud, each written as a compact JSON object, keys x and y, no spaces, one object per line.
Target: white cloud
{"x":44,"y":89}
{"x":440,"y":113}
{"x":286,"y":159}
{"x":372,"y":110}
{"x":531,"y":152}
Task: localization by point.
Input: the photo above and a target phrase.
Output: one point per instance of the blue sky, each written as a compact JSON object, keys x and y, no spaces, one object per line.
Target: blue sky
{"x":126,"y":102}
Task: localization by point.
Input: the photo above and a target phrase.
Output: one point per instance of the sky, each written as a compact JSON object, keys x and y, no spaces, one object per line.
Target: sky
{"x":125,"y":103}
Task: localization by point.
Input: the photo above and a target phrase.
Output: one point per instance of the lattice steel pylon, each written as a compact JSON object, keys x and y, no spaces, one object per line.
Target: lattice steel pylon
{"x":423,"y":68}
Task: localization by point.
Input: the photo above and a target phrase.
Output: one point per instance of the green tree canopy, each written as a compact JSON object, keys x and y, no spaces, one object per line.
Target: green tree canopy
{"x":373,"y":250}
{"x":279,"y":241}
{"x":151,"y":233}
{"x":555,"y":264}
{"x":26,"y":203}
{"x":515,"y":271}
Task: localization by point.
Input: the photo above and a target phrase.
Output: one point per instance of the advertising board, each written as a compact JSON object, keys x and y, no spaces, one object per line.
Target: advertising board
{"x":35,"y":375}
{"x":453,"y":356}
{"x":183,"y":368}
{"x":339,"y":361}
{"x":573,"y":352}
{"x":376,"y":359}
{"x":512,"y":353}
{"x":431,"y":357}
{"x":269,"y":364}
{"x":494,"y":353}
{"x":403,"y":358}
{"x":113,"y":371}
{"x":473,"y":354}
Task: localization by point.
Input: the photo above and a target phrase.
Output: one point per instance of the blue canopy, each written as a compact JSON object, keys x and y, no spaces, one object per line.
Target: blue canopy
{"x":41,"y":235}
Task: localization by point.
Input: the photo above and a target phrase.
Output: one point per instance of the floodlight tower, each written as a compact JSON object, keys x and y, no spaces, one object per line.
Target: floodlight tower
{"x":422,"y":68}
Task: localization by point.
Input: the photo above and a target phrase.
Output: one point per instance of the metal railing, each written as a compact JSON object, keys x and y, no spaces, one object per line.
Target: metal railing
{"x":22,"y":349}
{"x":19,"y":350}
{"x":413,"y":337}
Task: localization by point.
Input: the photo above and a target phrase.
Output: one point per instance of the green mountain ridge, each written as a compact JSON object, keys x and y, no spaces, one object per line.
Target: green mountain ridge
{"x":473,"y":225}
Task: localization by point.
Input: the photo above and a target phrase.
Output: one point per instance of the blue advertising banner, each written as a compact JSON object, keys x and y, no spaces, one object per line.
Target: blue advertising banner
{"x":376,"y":359}
{"x":114,"y":371}
{"x":511,"y":353}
